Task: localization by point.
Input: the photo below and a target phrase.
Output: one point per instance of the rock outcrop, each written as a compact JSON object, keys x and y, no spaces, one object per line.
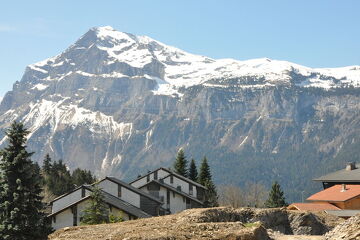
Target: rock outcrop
{"x":349,"y":230}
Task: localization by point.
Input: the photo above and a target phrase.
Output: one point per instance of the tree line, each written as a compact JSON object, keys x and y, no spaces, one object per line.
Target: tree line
{"x":204,"y":177}
{"x":58,"y":180}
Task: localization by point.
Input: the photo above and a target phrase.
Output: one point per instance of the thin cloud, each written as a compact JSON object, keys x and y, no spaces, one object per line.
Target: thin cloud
{"x":6,"y":28}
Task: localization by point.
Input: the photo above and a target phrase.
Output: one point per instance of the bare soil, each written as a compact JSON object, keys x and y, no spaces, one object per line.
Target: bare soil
{"x":213,"y":223}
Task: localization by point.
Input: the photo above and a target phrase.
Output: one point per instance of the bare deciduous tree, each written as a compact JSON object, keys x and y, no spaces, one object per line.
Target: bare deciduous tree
{"x":230,"y":195}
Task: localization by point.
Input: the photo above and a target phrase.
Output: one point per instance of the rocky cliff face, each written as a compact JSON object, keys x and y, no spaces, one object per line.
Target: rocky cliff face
{"x":121,"y":104}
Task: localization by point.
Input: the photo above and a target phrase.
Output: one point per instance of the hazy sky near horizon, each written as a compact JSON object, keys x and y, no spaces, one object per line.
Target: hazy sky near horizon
{"x":321,"y":33}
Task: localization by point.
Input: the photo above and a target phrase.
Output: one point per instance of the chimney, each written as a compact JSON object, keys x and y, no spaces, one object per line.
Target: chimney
{"x":343,"y":187}
{"x":350,"y":166}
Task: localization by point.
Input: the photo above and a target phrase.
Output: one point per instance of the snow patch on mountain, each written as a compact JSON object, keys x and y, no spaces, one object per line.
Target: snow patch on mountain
{"x":62,"y":114}
{"x":182,"y":69}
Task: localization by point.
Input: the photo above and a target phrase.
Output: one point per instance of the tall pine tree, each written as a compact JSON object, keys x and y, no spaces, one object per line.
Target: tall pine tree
{"x":205,"y":178}
{"x":180,"y":165}
{"x":276,"y":197}
{"x":205,"y":174}
{"x":193,"y":173}
{"x":21,"y":216}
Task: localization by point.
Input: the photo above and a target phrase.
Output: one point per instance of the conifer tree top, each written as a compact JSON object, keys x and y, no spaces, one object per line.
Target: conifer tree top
{"x":180,"y":165}
{"x":276,"y":197}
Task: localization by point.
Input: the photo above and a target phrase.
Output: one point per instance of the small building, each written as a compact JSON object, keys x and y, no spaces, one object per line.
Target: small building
{"x":67,"y":210}
{"x":157,"y":193}
{"x":349,"y":175}
{"x":344,"y":196}
{"x":131,"y":195}
{"x":339,"y":200}
{"x":175,"y":191}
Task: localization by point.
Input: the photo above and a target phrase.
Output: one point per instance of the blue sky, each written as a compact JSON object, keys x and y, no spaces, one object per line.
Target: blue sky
{"x":314,"y":33}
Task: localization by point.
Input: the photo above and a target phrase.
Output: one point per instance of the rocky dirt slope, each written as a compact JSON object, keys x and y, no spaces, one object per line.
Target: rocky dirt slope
{"x":349,"y":230}
{"x":213,"y":223}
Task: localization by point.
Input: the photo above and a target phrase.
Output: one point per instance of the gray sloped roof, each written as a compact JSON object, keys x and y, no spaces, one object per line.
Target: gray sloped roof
{"x":132,"y":188}
{"x":112,"y":200}
{"x":342,"y":175}
{"x":343,"y":213}
{"x":126,"y":207}
{"x":174,"y":174}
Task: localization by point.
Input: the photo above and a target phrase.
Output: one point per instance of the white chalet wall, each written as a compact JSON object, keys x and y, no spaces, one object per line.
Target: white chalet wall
{"x":143,"y":180}
{"x":68,"y":200}
{"x":63,"y":219}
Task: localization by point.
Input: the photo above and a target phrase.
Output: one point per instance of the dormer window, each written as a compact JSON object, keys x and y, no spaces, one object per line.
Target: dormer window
{"x":148,"y":178}
{"x":171,"y":179}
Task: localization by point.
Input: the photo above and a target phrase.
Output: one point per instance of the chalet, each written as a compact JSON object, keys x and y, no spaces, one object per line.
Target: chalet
{"x":340,"y":200}
{"x":341,"y":194}
{"x":157,"y":193}
{"x":175,"y":191}
{"x":124,"y":201}
{"x":349,"y":175}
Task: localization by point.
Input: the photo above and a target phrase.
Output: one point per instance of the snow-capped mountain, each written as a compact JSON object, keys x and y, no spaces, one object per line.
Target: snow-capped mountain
{"x":117,"y":103}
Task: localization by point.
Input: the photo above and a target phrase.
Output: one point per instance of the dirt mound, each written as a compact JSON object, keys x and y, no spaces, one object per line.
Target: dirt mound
{"x":211,"y":223}
{"x":349,"y":230}
{"x":277,"y":219}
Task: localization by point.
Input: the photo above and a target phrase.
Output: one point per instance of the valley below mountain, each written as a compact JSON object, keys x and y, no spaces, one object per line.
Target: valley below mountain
{"x":119,"y":104}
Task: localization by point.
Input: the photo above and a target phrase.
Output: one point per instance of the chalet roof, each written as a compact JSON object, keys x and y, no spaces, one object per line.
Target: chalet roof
{"x":131,"y":188}
{"x":342,"y":175}
{"x":335,"y":193}
{"x":171,"y":173}
{"x":113,"y":201}
{"x":174,"y":190}
{"x":312,"y":206}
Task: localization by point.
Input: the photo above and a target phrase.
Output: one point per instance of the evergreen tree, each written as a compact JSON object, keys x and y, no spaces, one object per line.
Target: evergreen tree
{"x":211,"y":196}
{"x":180,"y":165}
{"x":276,"y":197}
{"x":97,"y":212}
{"x":205,"y":179}
{"x":59,"y":180}
{"x":193,"y":173}
{"x":21,"y":216}
{"x":80,"y":177}
{"x":47,"y":166}
{"x":205,"y":174}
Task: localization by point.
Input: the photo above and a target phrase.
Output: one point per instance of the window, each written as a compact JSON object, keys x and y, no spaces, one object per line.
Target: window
{"x":148,"y":178}
{"x":171,"y":179}
{"x":178,"y":188}
{"x":82,"y":192}
{"x":190,"y":189}
{"x":54,"y":219}
{"x":110,"y":208}
{"x":74,"y":211}
{"x":155,"y":175}
{"x":119,"y":191}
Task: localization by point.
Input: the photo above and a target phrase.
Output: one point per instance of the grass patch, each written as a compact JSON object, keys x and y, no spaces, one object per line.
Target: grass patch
{"x":249,"y":225}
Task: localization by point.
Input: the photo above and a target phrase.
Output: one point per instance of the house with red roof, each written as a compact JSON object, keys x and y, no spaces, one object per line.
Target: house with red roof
{"x":341,"y":194}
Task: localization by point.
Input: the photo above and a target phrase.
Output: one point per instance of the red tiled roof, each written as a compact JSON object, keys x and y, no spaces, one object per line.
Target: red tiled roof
{"x":313,"y":206}
{"x":334,"y":193}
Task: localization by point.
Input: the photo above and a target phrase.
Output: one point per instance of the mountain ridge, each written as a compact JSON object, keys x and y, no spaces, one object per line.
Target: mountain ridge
{"x":119,"y":104}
